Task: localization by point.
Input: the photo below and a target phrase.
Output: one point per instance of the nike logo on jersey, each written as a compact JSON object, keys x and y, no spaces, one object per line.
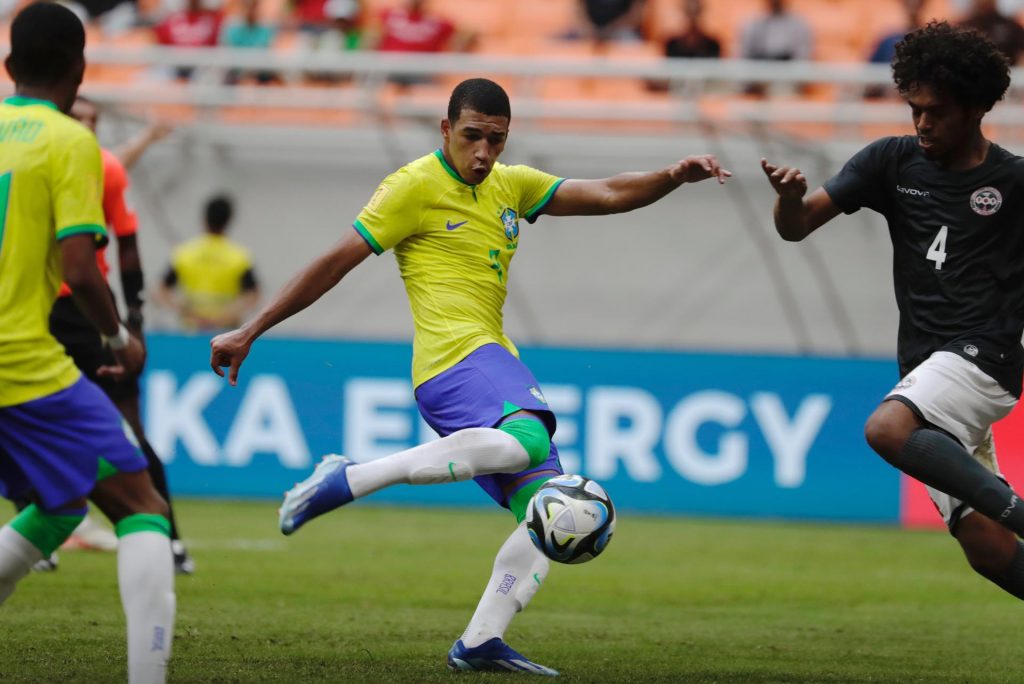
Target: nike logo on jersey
{"x":452,"y":226}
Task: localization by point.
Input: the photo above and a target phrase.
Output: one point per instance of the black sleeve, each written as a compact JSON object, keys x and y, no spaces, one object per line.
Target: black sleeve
{"x":249,"y":281}
{"x":170,"y":277}
{"x":861,"y":181}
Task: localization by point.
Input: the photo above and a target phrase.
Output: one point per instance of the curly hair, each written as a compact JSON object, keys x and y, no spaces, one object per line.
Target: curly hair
{"x":957,"y":62}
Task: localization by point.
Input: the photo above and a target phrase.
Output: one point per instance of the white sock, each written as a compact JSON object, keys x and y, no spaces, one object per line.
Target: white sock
{"x":519,"y":570}
{"x":145,"y":573}
{"x":459,"y":456}
{"x":17,"y":556}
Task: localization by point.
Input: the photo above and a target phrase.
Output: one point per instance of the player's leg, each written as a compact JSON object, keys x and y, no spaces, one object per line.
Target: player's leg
{"x":32,"y":537}
{"x":145,"y":568}
{"x":993,"y":551}
{"x":465,"y":452}
{"x":932,"y":422}
{"x":518,"y":572}
{"x":127,"y":403}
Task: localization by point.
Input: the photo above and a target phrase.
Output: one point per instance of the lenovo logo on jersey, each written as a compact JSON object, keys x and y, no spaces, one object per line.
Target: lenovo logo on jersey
{"x":913,"y":192}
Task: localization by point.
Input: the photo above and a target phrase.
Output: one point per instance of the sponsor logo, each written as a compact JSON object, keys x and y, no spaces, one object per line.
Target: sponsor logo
{"x":159,"y":639}
{"x":1009,"y":509}
{"x":913,"y":192}
{"x":510,"y":222}
{"x":971,"y":350}
{"x":452,"y":226}
{"x":507,"y":582}
{"x":986,"y":201}
{"x":535,"y":391}
{"x":906,"y":383}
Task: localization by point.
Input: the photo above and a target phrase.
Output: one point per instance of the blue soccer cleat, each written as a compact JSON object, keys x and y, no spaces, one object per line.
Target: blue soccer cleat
{"x":494,"y":655}
{"x":323,"y":491}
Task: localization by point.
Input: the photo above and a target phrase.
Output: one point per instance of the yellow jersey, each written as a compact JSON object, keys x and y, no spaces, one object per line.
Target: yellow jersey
{"x":454,"y":243}
{"x":51,"y":187}
{"x":210,"y":271}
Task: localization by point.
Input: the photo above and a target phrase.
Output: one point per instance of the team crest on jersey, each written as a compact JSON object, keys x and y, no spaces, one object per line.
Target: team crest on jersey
{"x":510,"y":221}
{"x":986,"y":201}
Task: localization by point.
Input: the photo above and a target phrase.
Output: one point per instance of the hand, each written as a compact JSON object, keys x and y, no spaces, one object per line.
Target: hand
{"x":698,"y":168}
{"x":130,"y":361}
{"x":789,"y":183}
{"x":229,"y":350}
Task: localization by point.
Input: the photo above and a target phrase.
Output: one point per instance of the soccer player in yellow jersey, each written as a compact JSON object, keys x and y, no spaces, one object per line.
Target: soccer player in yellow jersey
{"x":61,"y":439}
{"x":452,"y":218}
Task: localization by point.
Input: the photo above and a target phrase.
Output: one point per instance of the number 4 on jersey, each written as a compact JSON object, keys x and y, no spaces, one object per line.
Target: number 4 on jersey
{"x":937,"y":252}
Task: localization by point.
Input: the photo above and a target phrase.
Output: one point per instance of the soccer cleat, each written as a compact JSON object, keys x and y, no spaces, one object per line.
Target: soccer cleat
{"x":46,"y":564}
{"x":91,"y":535}
{"x":323,"y":491}
{"x":183,"y":563}
{"x":494,"y":655}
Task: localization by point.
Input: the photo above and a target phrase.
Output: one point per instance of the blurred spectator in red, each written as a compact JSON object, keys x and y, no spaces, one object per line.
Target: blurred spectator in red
{"x":248,"y":31}
{"x":885,"y":48}
{"x":778,"y":35}
{"x":194,"y":26}
{"x":694,"y":41}
{"x":412,"y":29}
{"x":985,"y":18}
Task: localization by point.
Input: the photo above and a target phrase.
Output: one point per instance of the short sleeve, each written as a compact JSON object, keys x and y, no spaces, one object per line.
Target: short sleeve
{"x":393,"y":212}
{"x":535,"y":189}
{"x":77,"y":173}
{"x":860,"y":182}
{"x":115,"y":208}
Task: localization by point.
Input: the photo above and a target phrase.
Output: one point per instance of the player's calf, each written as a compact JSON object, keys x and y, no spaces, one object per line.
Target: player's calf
{"x":33,"y":535}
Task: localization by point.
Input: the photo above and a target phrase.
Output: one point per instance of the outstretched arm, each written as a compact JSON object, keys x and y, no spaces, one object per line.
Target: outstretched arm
{"x":130,"y":152}
{"x":230,"y":349}
{"x":797,"y":216}
{"x":629,"y":191}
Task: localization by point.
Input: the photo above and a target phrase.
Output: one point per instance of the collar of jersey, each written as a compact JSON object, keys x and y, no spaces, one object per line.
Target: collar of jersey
{"x":452,"y":172}
{"x":20,"y":101}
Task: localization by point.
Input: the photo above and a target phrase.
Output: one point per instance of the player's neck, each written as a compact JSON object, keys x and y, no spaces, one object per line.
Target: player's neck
{"x":969,"y":155}
{"x":39,"y":93}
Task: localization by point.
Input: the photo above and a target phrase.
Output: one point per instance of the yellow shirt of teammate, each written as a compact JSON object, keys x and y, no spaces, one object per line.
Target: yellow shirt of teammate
{"x":51,"y":187}
{"x":453,"y":242}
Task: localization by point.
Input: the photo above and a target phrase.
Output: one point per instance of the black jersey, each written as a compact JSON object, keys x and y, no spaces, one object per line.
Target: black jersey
{"x":958,"y":251}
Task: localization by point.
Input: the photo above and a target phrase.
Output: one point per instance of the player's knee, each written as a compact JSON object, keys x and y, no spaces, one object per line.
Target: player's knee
{"x":532,"y":435}
{"x":886,"y":433}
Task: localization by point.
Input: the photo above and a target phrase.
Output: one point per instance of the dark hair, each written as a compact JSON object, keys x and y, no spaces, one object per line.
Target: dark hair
{"x":480,"y":95}
{"x":956,"y":62}
{"x":218,"y":213}
{"x":47,"y":42}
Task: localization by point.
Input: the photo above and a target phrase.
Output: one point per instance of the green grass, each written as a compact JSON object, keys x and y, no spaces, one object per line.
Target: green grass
{"x":374,"y":594}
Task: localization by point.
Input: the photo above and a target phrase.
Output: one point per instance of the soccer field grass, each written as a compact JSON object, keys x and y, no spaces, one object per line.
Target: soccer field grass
{"x":377,"y":594}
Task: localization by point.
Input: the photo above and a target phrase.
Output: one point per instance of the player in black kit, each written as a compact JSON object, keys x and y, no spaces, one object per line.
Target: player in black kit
{"x":954,"y":202}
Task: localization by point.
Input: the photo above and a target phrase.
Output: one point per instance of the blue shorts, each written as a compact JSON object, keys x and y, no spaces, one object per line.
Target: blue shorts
{"x":51,"y":447}
{"x":480,"y":391}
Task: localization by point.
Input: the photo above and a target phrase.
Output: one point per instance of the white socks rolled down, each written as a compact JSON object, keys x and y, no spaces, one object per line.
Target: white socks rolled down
{"x":145,"y":573}
{"x":519,"y":570}
{"x":459,"y":456}
{"x":17,"y":556}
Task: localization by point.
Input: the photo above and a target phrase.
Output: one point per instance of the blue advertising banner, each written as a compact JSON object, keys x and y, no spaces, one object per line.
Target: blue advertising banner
{"x":665,"y":432}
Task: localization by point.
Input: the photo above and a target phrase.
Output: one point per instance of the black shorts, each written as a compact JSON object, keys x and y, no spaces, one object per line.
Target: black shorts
{"x":83,"y":344}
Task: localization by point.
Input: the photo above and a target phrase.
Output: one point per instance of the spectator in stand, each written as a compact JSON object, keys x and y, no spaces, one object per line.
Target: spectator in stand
{"x":985,"y":18}
{"x":210,"y":282}
{"x":778,"y":35}
{"x":249,"y":32}
{"x":411,"y":28}
{"x":608,"y":20}
{"x":328,"y":25}
{"x":885,"y":48}
{"x":194,"y":26}
{"x":694,"y":42}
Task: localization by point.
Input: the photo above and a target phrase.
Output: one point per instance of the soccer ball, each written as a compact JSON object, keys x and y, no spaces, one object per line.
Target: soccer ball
{"x":570,"y":519}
